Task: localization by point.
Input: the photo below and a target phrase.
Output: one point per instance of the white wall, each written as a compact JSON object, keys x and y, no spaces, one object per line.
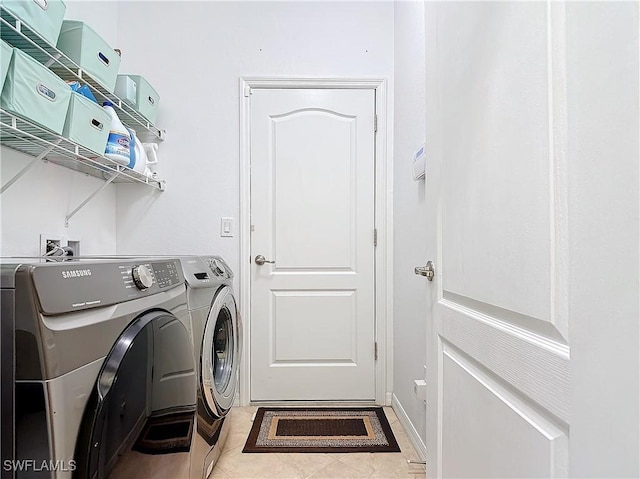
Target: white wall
{"x":604,"y":210}
{"x":194,"y":54}
{"x":409,"y":215}
{"x":101,"y":16}
{"x":39,"y":201}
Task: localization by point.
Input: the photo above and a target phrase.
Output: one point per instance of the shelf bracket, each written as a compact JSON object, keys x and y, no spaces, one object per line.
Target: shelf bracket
{"x":91,"y":196}
{"x":31,"y":164}
{"x":54,"y":59}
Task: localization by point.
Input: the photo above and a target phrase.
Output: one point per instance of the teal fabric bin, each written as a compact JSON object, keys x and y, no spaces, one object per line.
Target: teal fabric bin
{"x":35,"y":92}
{"x":85,"y":47}
{"x":87,"y":123}
{"x":6,"y":52}
{"x":139,"y":92}
{"x":42,"y":16}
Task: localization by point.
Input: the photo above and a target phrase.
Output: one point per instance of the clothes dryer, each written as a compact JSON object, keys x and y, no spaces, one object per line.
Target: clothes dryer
{"x":92,"y":352}
{"x":216,"y":334}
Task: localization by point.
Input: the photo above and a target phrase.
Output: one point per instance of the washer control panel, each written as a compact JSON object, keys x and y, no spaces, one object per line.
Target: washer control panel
{"x":84,"y":284}
{"x":142,"y":277}
{"x":218,"y":267}
{"x":166,"y":274}
{"x":205,"y":271}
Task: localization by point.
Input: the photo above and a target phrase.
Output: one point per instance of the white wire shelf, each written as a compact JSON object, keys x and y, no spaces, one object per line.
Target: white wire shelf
{"x":19,"y":35}
{"x":41,"y":144}
{"x":36,"y":141}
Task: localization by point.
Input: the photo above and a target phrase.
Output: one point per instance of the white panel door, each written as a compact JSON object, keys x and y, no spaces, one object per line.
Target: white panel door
{"x":498,"y":343}
{"x":312,"y":215}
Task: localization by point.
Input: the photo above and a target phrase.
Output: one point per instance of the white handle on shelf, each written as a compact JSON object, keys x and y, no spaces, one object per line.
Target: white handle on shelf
{"x":152,"y":156}
{"x":103,"y":58}
{"x":97,"y":124}
{"x":44,"y":4}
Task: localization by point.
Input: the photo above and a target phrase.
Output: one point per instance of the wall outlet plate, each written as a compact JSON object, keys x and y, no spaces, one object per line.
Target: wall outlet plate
{"x":75,"y":246}
{"x":49,"y":241}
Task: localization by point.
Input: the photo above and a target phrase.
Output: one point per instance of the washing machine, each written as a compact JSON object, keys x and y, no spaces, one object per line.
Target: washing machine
{"x":216,"y":334}
{"x":97,"y":365}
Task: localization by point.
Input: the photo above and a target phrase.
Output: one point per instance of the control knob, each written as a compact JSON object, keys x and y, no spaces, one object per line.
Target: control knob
{"x":142,"y":277}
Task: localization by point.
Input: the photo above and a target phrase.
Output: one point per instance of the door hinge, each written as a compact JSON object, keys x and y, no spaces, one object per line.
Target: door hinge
{"x":375,"y":351}
{"x":247,"y":91}
{"x":375,"y":123}
{"x":375,"y":237}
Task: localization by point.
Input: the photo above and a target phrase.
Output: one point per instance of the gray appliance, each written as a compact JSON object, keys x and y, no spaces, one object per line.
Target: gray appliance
{"x":91,"y":351}
{"x":216,"y":334}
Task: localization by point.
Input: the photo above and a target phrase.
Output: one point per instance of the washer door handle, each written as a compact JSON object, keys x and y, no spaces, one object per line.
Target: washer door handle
{"x":260,"y":260}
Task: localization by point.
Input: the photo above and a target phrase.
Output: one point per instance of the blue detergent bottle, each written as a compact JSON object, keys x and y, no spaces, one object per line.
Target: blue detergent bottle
{"x":118,"y":144}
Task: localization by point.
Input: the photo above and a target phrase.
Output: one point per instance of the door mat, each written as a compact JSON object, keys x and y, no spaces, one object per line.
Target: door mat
{"x":166,"y":434}
{"x":321,"y":430}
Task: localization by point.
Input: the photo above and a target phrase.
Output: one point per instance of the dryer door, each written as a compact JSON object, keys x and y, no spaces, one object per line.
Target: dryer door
{"x":220,"y":356}
{"x":129,"y":389}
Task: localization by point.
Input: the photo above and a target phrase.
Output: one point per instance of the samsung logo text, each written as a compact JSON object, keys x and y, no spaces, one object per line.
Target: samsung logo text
{"x":76,"y":273}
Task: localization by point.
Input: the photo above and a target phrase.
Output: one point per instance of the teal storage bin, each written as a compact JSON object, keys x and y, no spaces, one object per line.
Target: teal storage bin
{"x":35,"y":92}
{"x":6,"y":52}
{"x":85,"y":47}
{"x":87,"y":123}
{"x":42,"y":16}
{"x":139,"y":92}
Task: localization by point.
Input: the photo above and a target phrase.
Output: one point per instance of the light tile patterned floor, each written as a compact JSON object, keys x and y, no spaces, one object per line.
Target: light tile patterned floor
{"x":233,"y":464}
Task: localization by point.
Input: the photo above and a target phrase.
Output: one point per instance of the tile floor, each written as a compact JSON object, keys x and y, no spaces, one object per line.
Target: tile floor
{"x":233,"y":464}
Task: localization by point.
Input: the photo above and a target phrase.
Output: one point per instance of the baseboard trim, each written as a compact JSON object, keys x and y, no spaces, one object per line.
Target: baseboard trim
{"x":412,"y":433}
{"x":388,"y":399}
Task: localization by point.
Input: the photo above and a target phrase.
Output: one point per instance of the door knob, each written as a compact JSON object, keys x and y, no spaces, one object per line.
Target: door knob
{"x":260,"y":260}
{"x":427,"y":270}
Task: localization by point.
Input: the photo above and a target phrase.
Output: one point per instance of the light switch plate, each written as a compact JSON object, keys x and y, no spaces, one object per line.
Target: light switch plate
{"x":226,"y":226}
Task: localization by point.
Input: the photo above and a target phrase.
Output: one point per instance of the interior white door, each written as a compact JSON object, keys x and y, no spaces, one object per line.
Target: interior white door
{"x":498,"y":343}
{"x":312,"y":217}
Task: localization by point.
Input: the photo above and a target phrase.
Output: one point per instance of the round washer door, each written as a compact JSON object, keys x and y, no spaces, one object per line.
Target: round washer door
{"x":220,"y":356}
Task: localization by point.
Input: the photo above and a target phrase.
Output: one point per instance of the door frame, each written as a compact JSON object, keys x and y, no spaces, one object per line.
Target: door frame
{"x":383,"y":289}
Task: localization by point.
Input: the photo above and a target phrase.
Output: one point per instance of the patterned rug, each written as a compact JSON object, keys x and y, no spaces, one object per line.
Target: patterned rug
{"x":321,"y":430}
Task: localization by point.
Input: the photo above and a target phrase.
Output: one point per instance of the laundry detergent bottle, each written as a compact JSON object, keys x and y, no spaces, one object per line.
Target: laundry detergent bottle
{"x":133,"y":157}
{"x":141,"y":157}
{"x":119,"y":141}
